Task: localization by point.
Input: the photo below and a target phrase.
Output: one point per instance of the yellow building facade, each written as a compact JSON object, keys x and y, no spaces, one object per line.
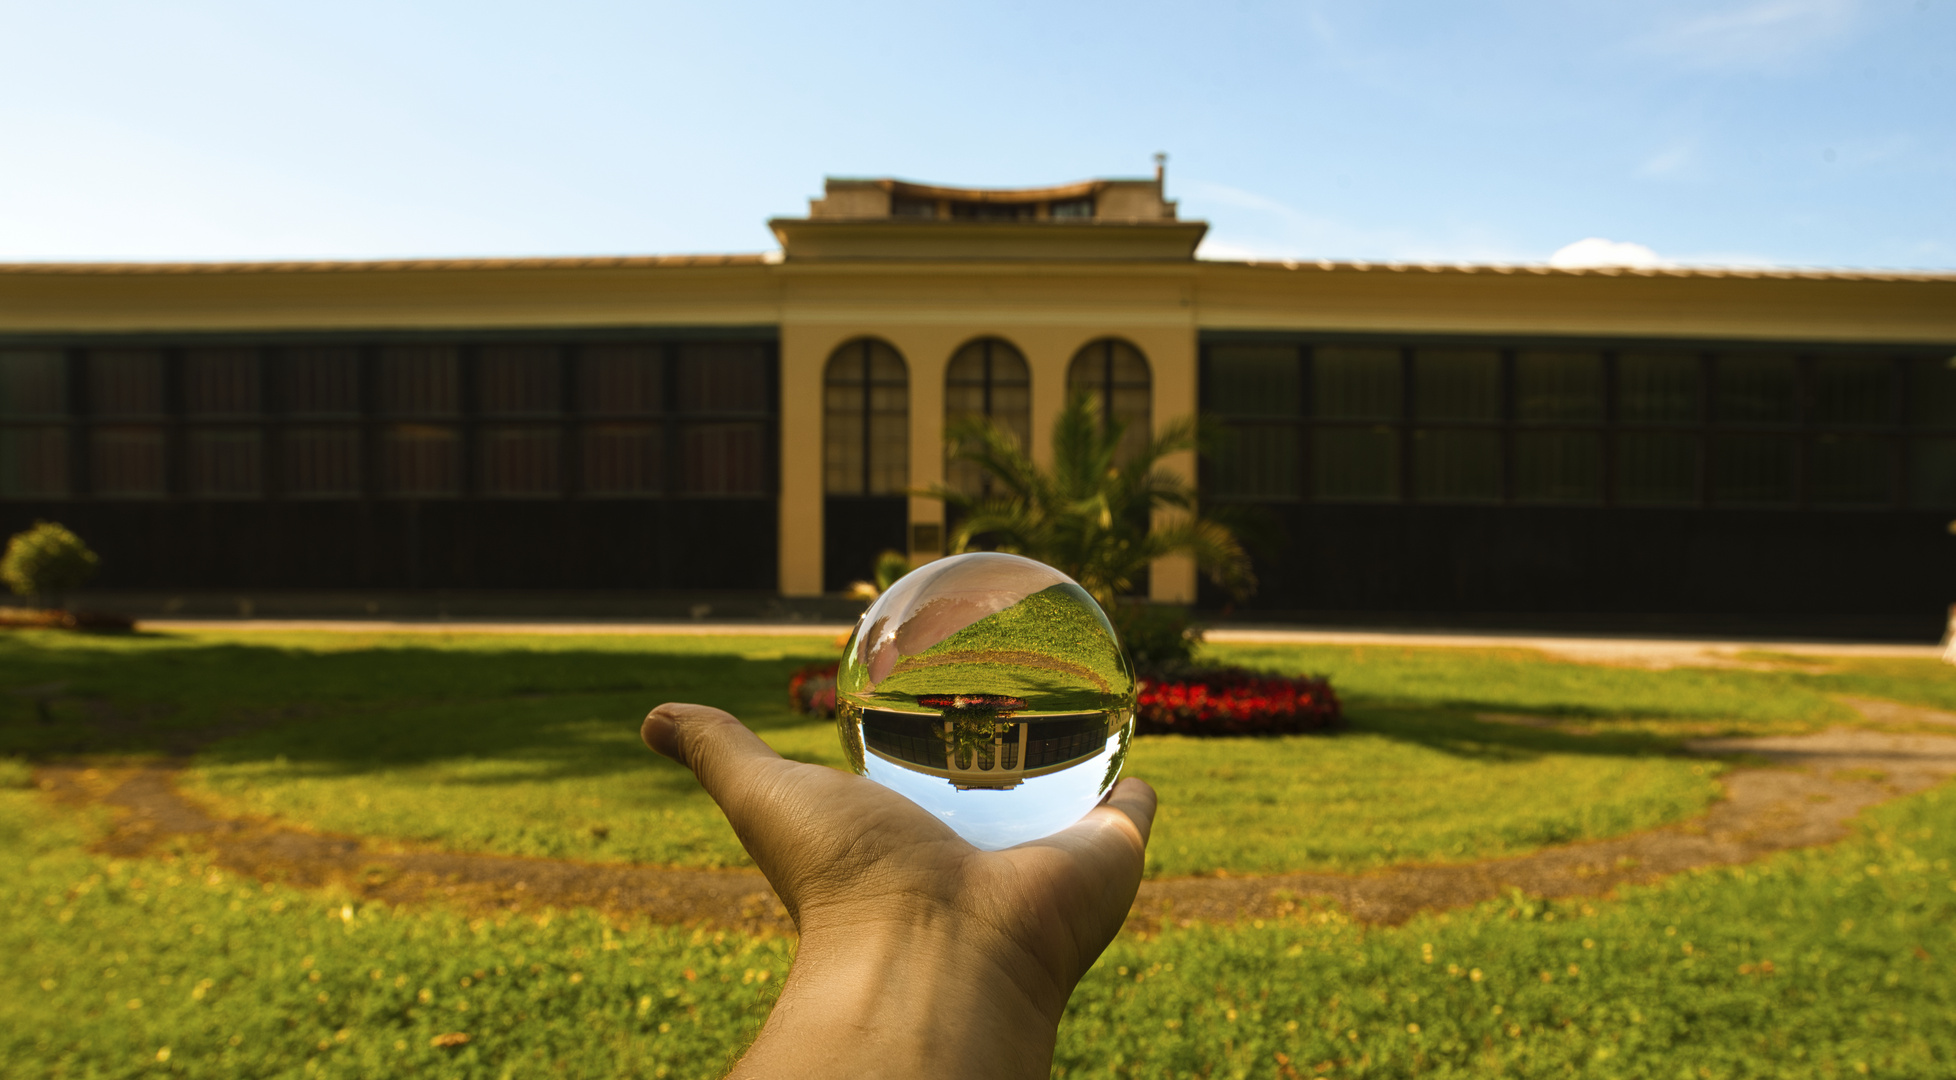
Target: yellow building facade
{"x":1505,"y":402}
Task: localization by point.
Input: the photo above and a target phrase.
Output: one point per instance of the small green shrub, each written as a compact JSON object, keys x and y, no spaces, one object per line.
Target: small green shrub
{"x":46,"y":560}
{"x":1157,"y":637}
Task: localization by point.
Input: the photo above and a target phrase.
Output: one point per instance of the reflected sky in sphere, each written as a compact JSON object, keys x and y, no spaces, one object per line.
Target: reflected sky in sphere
{"x":990,"y":690}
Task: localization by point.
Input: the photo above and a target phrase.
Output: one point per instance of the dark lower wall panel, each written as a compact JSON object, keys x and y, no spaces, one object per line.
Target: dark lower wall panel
{"x":856,"y":529}
{"x":1792,"y":567}
{"x":581,"y":544}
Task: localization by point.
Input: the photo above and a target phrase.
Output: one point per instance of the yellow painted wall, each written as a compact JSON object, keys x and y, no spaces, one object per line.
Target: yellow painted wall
{"x":927,"y":315}
{"x":926,"y":308}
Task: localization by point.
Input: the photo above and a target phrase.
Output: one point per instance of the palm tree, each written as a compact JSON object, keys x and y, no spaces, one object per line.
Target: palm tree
{"x":1092,"y":516}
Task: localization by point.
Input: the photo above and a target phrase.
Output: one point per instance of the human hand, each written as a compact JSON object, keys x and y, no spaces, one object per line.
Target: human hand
{"x":919,"y":954}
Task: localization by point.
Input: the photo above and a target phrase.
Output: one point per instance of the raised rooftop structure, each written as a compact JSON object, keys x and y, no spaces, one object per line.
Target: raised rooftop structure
{"x":1093,"y":219}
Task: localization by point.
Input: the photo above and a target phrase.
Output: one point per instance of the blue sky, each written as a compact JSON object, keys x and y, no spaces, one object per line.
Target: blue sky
{"x":1781,"y":132}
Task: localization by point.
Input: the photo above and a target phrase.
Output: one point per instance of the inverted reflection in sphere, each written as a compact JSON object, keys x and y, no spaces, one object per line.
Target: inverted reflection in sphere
{"x":990,"y":690}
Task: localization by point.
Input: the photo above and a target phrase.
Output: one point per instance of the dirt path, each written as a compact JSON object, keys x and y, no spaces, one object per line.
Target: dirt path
{"x":1805,"y":791}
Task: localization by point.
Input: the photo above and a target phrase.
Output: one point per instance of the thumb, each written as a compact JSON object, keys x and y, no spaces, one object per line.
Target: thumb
{"x":728,"y":759}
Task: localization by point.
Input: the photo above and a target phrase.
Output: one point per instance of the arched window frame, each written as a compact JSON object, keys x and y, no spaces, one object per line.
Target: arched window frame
{"x":1096,"y":370}
{"x":881,"y":458}
{"x":993,"y":353}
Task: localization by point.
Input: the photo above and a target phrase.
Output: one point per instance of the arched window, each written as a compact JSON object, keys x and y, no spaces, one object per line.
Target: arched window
{"x":988,"y":378}
{"x":1115,"y":375}
{"x":866,"y":421}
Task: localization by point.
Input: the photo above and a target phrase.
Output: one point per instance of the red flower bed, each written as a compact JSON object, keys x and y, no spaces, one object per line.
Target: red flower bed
{"x":1231,"y":701}
{"x":811,"y":690}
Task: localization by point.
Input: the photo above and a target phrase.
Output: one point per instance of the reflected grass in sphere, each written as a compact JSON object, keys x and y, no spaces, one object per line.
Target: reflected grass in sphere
{"x":990,"y":690}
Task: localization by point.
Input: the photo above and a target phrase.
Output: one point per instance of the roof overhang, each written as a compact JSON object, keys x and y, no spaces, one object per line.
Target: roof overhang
{"x":812,"y":238}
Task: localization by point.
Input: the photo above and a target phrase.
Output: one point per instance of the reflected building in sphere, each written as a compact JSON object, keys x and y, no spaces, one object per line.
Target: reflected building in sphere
{"x":1658,"y":449}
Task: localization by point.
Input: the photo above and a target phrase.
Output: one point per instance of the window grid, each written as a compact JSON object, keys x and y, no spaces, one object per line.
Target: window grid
{"x":986,"y":378}
{"x":381,"y":420}
{"x":1640,"y":426}
{"x":866,"y":420}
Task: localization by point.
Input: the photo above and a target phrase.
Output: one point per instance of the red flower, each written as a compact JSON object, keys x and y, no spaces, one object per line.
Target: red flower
{"x":811,"y":689}
{"x":1232,"y":701}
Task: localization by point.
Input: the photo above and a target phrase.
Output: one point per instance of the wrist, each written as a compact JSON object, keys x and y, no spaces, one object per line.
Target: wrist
{"x":917,"y":998}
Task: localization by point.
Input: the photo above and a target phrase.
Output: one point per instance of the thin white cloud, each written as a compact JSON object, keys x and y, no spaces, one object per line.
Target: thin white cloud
{"x":1270,"y":229}
{"x":1667,"y":162}
{"x":1760,"y":34}
{"x":1596,"y":251}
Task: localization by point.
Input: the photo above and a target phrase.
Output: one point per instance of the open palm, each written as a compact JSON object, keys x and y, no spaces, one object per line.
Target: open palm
{"x":895,"y":909}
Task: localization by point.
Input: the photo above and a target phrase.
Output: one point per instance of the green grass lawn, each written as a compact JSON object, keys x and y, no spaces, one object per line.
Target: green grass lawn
{"x":1828,"y":963}
{"x":528,"y":745}
{"x":165,"y":966}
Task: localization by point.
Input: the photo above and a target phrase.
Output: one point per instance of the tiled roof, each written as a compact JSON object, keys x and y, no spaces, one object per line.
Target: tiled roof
{"x":641,"y":262}
{"x":1544,"y":270}
{"x":343,"y":266}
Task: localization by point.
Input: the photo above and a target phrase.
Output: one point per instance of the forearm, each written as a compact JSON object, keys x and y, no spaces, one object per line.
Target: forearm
{"x":907,"y":1004}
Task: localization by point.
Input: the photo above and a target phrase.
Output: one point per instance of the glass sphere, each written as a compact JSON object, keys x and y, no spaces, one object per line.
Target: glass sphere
{"x":990,"y":690}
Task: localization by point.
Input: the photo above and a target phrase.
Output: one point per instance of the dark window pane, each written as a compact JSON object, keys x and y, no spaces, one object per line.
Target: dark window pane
{"x":1253,"y":380}
{"x":1115,"y":375}
{"x":125,"y":382}
{"x":127,"y":462}
{"x":889,"y":440}
{"x":1351,"y":383}
{"x":1559,"y":386}
{"x":1755,"y":389}
{"x":520,"y":462}
{"x":418,"y":460}
{"x":1932,"y":391}
{"x":321,"y":381}
{"x":33,"y":383}
{"x":1853,"y":390}
{"x":624,"y":459}
{"x":1355,"y":463}
{"x":722,"y":377}
{"x":723,"y":459}
{"x":519,"y":380}
{"x":986,"y":378}
{"x":1457,"y":466}
{"x":1256,"y":461}
{"x":1656,"y":469}
{"x":1558,"y":467}
{"x":1658,"y":387}
{"x":1849,"y":471}
{"x":226,"y":463}
{"x":866,"y":429}
{"x":220,"y":382}
{"x":1932,"y":473}
{"x":1753,"y":470}
{"x":321,"y":463}
{"x":419,"y":380}
{"x":1457,"y":384}
{"x":621,"y":380}
{"x":34,"y":463}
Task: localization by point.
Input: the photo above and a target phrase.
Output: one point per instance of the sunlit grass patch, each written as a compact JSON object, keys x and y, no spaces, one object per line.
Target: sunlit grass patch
{"x":1827,"y":962}
{"x":1810,"y":963}
{"x":1404,"y":785}
{"x":112,"y":968}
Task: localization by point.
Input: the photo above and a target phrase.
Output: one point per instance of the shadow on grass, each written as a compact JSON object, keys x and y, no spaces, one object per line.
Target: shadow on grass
{"x":541,"y":707}
{"x":348,"y":707}
{"x":1452,"y":730}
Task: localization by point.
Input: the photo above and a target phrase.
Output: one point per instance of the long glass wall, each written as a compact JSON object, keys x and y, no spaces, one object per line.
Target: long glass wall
{"x":389,"y":420}
{"x":1634,"y":426}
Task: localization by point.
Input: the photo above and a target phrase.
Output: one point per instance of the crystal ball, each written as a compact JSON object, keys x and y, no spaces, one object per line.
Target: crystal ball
{"x":990,"y":690}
